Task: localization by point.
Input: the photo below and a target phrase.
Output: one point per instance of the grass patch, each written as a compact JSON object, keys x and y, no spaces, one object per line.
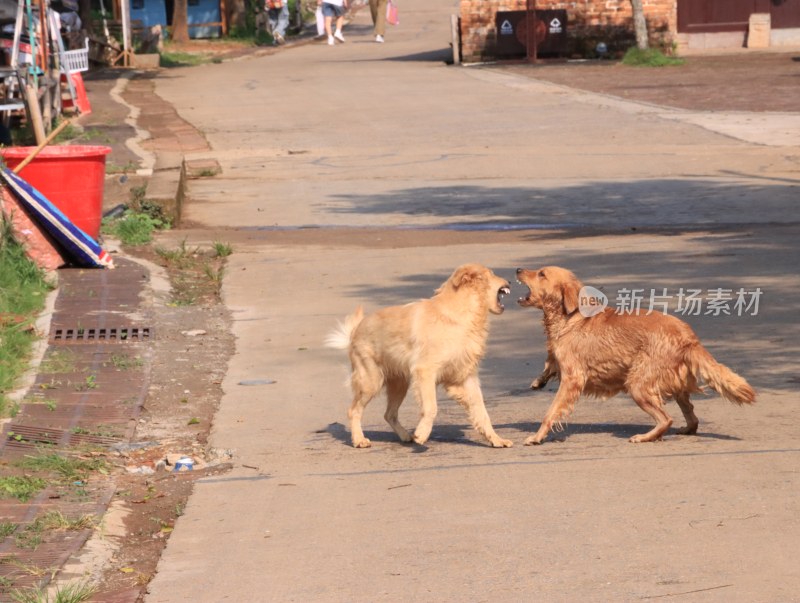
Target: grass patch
{"x":215,"y":276}
{"x":180,"y":257}
{"x":196,"y":273}
{"x":94,"y":135}
{"x":58,"y":361}
{"x":133,"y":228}
{"x":28,"y":569}
{"x":183,"y":59}
{"x":23,"y":488}
{"x":66,"y":468}
{"x":101,"y":431}
{"x":222,"y":250}
{"x":650,"y":57}
{"x":23,"y":289}
{"x":73,"y":592}
{"x":89,"y":383}
{"x":115,"y":168}
{"x":34,"y":534}
{"x":137,"y":225}
{"x":6,"y":529}
{"x":123,"y":362}
{"x":70,"y":132}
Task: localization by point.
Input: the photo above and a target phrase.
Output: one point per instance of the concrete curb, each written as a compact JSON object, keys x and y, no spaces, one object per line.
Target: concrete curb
{"x":165,"y":187}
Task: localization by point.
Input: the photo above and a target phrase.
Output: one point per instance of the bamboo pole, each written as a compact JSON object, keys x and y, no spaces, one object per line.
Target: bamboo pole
{"x":41,"y":146}
{"x":36,"y":114}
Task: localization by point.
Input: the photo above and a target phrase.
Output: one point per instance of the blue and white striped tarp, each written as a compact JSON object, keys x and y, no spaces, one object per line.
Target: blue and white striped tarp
{"x":76,"y":244}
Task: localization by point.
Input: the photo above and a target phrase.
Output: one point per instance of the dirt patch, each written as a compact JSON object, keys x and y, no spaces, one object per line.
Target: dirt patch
{"x":731,"y":82}
{"x":189,"y":360}
{"x":141,"y":480}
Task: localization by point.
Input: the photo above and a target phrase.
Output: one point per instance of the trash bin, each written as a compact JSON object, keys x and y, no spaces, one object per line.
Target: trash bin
{"x":72,"y":177}
{"x":513,"y":36}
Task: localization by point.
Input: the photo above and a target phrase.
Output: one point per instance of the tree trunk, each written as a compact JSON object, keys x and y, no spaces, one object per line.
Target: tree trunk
{"x":640,"y":25}
{"x":180,"y":21}
{"x":85,"y":13}
{"x":236,"y":13}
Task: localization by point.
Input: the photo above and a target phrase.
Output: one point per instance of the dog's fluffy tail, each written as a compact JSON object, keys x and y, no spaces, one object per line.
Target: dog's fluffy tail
{"x":341,"y":336}
{"x":720,"y":378}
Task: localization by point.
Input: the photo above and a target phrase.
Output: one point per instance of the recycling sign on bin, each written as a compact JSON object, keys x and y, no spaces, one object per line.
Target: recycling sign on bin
{"x":515,"y":29}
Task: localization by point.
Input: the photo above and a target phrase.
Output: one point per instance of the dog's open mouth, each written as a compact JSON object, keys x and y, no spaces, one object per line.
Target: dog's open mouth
{"x":526,"y":299}
{"x":501,"y":293}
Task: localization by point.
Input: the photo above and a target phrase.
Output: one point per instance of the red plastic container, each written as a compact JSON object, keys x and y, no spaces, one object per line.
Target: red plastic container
{"x":72,"y":177}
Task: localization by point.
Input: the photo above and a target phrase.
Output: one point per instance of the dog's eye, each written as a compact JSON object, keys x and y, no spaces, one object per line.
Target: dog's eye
{"x":541,"y":274}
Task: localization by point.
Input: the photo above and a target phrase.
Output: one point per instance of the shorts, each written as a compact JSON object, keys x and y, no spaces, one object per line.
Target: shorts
{"x":331,"y":10}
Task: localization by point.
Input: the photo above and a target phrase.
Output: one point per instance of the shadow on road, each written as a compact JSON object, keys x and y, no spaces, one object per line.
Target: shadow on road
{"x":640,"y":203}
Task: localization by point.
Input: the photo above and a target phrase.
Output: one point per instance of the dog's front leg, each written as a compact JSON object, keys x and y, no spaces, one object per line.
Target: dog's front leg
{"x":469,"y":395}
{"x":550,"y":370}
{"x":425,"y":394}
{"x":568,"y":393}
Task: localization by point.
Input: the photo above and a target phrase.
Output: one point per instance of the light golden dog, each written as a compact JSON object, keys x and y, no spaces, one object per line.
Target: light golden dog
{"x":652,"y":357}
{"x":433,"y":341}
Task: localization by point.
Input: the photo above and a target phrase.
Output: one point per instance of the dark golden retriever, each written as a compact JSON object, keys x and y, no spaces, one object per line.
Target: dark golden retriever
{"x":652,"y":357}
{"x":433,"y":341}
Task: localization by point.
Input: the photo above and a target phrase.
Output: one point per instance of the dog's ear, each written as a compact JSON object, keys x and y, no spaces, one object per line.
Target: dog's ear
{"x":569,"y":295}
{"x":465,"y":275}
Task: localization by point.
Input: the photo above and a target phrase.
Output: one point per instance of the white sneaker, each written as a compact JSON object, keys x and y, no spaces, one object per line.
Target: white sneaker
{"x":330,"y":41}
{"x":379,"y":39}
{"x":338,"y":35}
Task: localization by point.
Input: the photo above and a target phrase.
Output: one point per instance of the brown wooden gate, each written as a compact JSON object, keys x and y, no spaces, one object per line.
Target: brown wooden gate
{"x":708,"y":16}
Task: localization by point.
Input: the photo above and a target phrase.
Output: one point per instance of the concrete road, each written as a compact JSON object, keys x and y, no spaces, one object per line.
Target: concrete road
{"x":365,"y":173}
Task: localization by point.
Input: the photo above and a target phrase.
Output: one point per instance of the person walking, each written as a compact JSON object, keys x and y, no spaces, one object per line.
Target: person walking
{"x":278,"y":15}
{"x":378,"y":10}
{"x":331,"y":9}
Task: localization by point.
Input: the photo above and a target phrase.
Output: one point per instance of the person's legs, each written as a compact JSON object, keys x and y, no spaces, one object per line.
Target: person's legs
{"x":373,"y":9}
{"x":328,"y":12}
{"x":282,"y":20}
{"x":339,"y":23}
{"x":379,"y":16}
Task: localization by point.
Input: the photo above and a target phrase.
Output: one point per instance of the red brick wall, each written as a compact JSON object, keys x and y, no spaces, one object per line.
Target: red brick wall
{"x":589,"y":22}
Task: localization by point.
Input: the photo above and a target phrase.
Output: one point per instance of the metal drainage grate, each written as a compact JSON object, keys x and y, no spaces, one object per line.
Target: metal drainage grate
{"x":121,"y":335}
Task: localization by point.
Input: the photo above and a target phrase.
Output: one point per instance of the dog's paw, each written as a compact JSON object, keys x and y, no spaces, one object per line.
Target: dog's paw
{"x":501,"y":443}
{"x":638,"y":439}
{"x":363,"y":443}
{"x":538,"y":383}
{"x":419,"y":440}
{"x":533,"y":441}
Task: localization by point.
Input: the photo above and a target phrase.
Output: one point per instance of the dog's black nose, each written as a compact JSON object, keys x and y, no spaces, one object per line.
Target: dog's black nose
{"x":519,"y":270}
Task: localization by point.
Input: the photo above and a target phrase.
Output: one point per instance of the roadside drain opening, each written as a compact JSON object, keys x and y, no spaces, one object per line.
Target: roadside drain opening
{"x":84,"y":335}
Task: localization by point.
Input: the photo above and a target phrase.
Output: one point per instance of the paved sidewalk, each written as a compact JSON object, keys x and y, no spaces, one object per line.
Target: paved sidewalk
{"x":351,"y":194}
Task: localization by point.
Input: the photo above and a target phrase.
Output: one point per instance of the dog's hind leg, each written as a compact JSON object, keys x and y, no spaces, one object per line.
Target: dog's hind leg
{"x":688,"y":412}
{"x":567,"y":395}
{"x":654,"y":407}
{"x":396,"y":389}
{"x":425,"y":394}
{"x":366,"y":382}
{"x":469,"y":395}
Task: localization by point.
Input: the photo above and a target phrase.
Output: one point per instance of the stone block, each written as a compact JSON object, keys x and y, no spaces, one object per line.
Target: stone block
{"x":758,"y":31}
